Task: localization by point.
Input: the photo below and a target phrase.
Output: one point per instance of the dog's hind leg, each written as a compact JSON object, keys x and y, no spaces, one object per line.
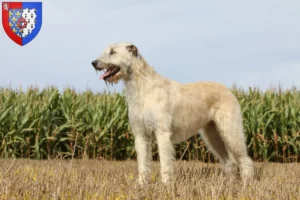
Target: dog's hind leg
{"x":216,"y":145}
{"x":229,"y":125}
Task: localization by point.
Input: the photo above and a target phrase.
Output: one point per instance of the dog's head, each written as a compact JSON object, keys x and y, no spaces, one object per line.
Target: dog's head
{"x":116,"y":61}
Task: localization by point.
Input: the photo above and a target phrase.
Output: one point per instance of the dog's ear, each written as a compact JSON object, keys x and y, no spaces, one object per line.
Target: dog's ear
{"x":132,"y":49}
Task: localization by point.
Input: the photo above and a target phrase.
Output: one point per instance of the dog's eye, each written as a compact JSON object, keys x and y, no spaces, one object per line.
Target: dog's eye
{"x":112,"y":52}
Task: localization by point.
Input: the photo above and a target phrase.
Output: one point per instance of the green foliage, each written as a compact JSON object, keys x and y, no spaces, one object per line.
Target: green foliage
{"x":45,"y":123}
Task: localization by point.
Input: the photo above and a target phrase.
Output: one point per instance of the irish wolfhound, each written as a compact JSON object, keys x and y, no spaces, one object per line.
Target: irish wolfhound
{"x":172,"y":112}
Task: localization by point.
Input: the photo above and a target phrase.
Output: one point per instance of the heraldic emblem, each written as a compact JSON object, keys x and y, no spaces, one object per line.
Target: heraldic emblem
{"x":22,"y":21}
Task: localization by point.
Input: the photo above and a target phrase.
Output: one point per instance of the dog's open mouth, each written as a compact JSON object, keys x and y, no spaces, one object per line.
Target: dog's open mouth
{"x":110,"y":73}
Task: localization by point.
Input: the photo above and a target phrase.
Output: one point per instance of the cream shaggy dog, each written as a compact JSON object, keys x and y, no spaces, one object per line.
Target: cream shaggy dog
{"x":171,"y":112}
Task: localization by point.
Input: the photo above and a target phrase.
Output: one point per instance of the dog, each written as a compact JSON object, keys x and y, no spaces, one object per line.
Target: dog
{"x":170,"y":112}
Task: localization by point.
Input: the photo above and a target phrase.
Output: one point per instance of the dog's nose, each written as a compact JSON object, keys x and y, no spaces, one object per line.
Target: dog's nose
{"x":95,"y":63}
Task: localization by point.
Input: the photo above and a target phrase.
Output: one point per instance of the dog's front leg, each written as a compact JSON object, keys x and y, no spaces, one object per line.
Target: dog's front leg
{"x":144,"y":157}
{"x":166,"y":155}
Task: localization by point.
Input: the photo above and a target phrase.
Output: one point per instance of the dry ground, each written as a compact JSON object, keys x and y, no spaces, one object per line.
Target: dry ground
{"x":94,"y":179}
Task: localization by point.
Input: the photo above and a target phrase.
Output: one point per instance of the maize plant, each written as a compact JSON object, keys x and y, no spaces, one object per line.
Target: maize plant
{"x":47,"y":123}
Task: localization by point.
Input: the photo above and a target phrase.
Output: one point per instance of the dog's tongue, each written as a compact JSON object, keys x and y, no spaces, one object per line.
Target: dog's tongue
{"x":105,"y":74}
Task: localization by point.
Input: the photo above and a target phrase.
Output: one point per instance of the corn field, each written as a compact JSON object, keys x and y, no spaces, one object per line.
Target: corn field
{"x":47,"y":124}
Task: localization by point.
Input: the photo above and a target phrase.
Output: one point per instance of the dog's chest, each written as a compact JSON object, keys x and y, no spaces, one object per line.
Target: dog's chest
{"x":142,"y":119}
{"x":148,"y":111}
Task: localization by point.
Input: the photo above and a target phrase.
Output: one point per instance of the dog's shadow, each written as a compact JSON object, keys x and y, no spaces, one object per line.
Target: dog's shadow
{"x":208,"y":171}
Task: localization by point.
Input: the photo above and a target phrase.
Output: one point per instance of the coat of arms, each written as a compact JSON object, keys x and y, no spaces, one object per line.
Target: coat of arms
{"x":22,"y":21}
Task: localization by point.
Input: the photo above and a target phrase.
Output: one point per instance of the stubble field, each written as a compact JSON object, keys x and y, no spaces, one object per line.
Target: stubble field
{"x":97,"y":179}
